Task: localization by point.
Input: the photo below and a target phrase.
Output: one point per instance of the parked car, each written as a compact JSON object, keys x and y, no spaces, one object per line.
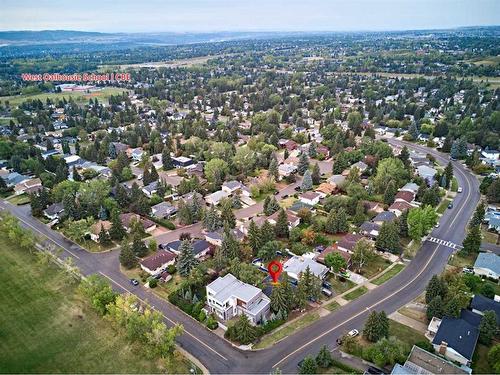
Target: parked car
{"x":353,"y":332}
{"x":437,"y":225}
{"x":450,"y":205}
{"x":327,"y":285}
{"x":468,"y":270}
{"x":326,"y":292}
{"x":459,"y":189}
{"x":296,"y":188}
{"x":375,"y":371}
{"x":134,"y":282}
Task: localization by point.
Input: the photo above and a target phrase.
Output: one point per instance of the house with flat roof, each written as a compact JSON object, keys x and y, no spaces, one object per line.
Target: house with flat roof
{"x":487,"y":264}
{"x":182,"y":161}
{"x":309,"y":197}
{"x":421,"y":362}
{"x":228,"y":297}
{"x":296,"y":265}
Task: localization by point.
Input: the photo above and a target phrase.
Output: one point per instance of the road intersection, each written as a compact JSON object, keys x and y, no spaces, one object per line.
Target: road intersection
{"x":218,"y":355}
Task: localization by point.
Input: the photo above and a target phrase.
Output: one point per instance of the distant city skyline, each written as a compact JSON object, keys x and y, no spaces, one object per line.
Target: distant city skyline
{"x":249,"y":15}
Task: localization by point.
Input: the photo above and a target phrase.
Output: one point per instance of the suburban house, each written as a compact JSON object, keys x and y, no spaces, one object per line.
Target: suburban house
{"x":163,"y":210}
{"x":427,"y":173}
{"x":182,"y":161}
{"x":334,"y":249}
{"x":298,"y":264}
{"x":369,"y":229}
{"x":397,"y":208}
{"x":216,"y":197}
{"x":410,"y":186}
{"x":232,"y":187}
{"x":54,"y":211}
{"x":285,"y":170}
{"x":480,"y":304}
{"x":420,"y":361}
{"x":487,"y":264}
{"x":200,"y":247}
{"x":215,"y":238}
{"x":96,"y":228}
{"x":494,"y":224}
{"x":383,"y":217}
{"x":348,"y":242}
{"x":293,"y":220}
{"x":228,"y":297}
{"x":28,"y":186}
{"x":128,"y":218}
{"x":373,"y":206}
{"x":288,"y":144}
{"x":404,"y":196}
{"x":310,"y":198}
{"x":135,"y":153}
{"x":336,"y":180}
{"x":456,"y":338}
{"x":325,"y":189}
{"x":158,"y":262}
{"x":150,"y":189}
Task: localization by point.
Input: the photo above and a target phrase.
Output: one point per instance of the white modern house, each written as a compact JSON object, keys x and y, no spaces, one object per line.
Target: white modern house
{"x":228,"y":297}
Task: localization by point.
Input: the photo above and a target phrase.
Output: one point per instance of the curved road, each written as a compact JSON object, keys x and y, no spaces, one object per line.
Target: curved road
{"x":218,"y":356}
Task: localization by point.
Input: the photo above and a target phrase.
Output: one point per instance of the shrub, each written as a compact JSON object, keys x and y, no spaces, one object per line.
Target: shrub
{"x":153,"y":283}
{"x":202,"y":316}
{"x":212,"y":322}
{"x":171,"y":269}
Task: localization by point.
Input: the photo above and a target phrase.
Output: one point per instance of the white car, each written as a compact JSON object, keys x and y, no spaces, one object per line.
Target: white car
{"x":459,"y":190}
{"x":353,"y":333}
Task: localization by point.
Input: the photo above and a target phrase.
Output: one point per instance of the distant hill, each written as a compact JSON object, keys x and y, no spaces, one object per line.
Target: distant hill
{"x":47,"y":35}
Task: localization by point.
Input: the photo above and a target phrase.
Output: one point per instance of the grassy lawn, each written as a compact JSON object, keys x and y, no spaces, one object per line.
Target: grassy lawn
{"x":480,"y":363}
{"x":389,"y":274}
{"x":48,"y":328}
{"x":411,"y":249}
{"x":462,"y":260}
{"x":405,"y":333}
{"x":488,"y":236}
{"x":413,"y":314}
{"x":19,"y":200}
{"x":443,"y":206}
{"x":454,"y":185}
{"x":356,"y":293}
{"x":332,"y":306}
{"x":281,"y":333}
{"x":79,"y":97}
{"x":338,"y":286}
{"x":375,"y":266}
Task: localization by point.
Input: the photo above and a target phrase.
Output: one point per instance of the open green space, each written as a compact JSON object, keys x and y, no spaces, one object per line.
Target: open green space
{"x":79,"y":97}
{"x":356,"y":293}
{"x":388,"y":275}
{"x":375,"y":266}
{"x":281,"y":333}
{"x":46,"y":327}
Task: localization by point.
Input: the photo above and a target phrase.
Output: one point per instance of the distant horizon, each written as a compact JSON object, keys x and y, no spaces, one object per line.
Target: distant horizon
{"x":204,"y":16}
{"x":254,"y":31}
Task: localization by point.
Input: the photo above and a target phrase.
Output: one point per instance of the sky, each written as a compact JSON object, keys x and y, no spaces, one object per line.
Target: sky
{"x":245,"y":15}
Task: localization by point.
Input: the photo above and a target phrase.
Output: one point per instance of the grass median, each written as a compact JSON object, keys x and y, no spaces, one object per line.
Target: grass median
{"x":388,"y":275}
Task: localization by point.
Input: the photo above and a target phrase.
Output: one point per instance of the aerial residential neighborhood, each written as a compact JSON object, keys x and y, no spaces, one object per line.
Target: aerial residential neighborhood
{"x":181,"y":200}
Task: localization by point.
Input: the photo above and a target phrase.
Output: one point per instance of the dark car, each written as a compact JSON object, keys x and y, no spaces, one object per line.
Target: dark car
{"x":299,"y":365}
{"x":450,"y":205}
{"x":375,"y":371}
{"x":134,"y":282}
{"x":327,"y":285}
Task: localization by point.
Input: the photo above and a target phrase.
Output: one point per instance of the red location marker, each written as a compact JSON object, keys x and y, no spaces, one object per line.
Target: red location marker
{"x":275,"y":268}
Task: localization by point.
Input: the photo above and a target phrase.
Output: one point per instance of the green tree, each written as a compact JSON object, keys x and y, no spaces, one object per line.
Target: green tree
{"x":254,"y":237}
{"x":388,"y":238}
{"x":421,"y":221}
{"x":268,"y":251}
{"x":98,"y":291}
{"x":307,"y":182}
{"x":494,"y":358}
{"x":390,"y":169}
{"x":478,"y":216}
{"x":435,"y":287}
{"x":281,"y":227}
{"x":216,"y":171}
{"x":230,"y":247}
{"x":245,"y":331}
{"x":273,"y":169}
{"x":309,"y":285}
{"x":227,"y":215}
{"x":335,"y":261}
{"x":336,"y":221}
{"x":166,"y":159}
{"x":282,"y":296}
{"x":448,"y":173}
{"x":376,"y":326}
{"x":271,"y":205}
{"x":362,"y":254}
{"x":435,"y":308}
{"x":138,"y":247}
{"x":211,"y":221}
{"x":324,"y":357}
{"x":117,"y":231}
{"x":308,"y":366}
{"x":488,"y":327}
{"x":104,"y":237}
{"x":390,"y":193}
{"x":186,"y":260}
{"x":316,"y":174}
{"x":472,"y":241}
{"x":127,"y":257}
{"x":303,"y":164}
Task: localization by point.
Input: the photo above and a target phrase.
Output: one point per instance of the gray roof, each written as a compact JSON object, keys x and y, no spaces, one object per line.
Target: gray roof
{"x":481,"y":303}
{"x":163,"y":209}
{"x":458,"y":334}
{"x":385,"y":216}
{"x":229,"y":286}
{"x":488,"y":261}
{"x":426,"y":171}
{"x":232,"y":185}
{"x":298,"y":265}
{"x":410,"y":186}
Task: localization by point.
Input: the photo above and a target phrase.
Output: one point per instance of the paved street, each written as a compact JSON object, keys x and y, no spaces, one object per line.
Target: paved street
{"x":221,"y":357}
